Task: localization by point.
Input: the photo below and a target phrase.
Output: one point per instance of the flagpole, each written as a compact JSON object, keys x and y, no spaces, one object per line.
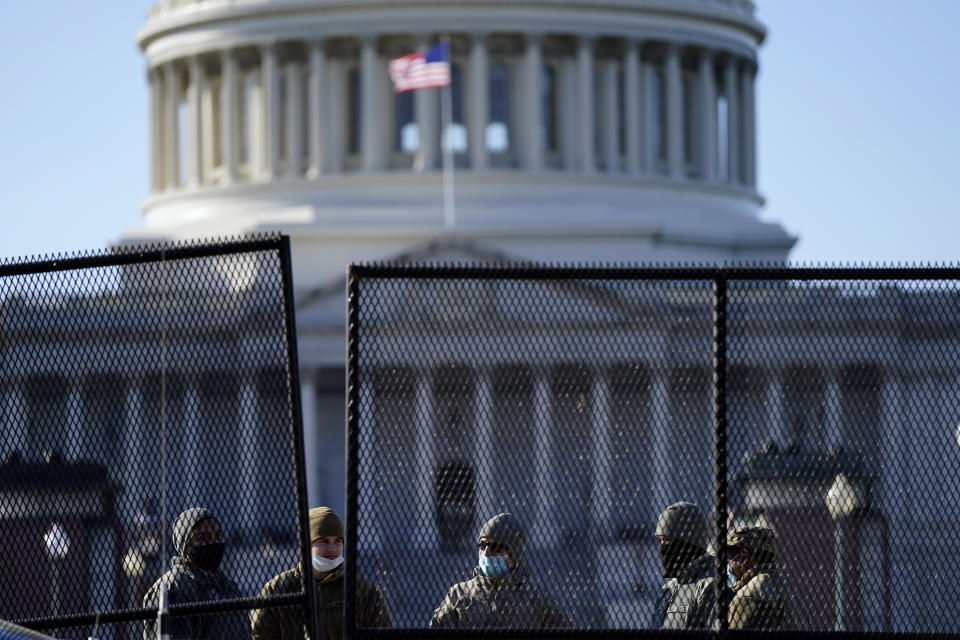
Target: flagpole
{"x":449,"y":215}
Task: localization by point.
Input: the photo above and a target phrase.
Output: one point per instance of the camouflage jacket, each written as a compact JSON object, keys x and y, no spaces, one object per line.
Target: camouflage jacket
{"x":688,"y":602}
{"x":762,"y":600}
{"x":509,"y":601}
{"x":286,"y":623}
{"x":189,"y":583}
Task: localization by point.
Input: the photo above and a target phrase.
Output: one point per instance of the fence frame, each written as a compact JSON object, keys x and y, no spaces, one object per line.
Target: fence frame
{"x":163,"y":253}
{"x":719,"y":276}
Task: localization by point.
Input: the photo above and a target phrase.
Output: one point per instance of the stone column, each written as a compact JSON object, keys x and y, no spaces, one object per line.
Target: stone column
{"x":660,"y":422}
{"x":195,"y":87}
{"x":248,"y":447}
{"x":648,"y":118}
{"x":315,"y":92}
{"x":14,"y":427}
{"x":133,"y":442}
{"x":532,"y":133}
{"x":601,"y":453}
{"x":585,"y":103}
{"x":424,"y":533}
{"x":74,"y":422}
{"x":478,"y":107}
{"x":544,"y":528}
{"x":707,"y":143}
{"x":370,"y":98}
{"x":228,"y":116}
{"x":731,"y":94}
{"x":427,"y":106}
{"x":171,"y":133}
{"x":294,"y":108}
{"x":611,"y":117}
{"x":748,"y":118}
{"x":632,"y":101}
{"x":208,"y":131}
{"x":833,"y":424}
{"x":335,"y":120}
{"x":156,"y":131}
{"x":779,"y":430}
{"x":308,"y":414}
{"x":271,"y":112}
{"x":483,"y":445}
{"x":191,"y":428}
{"x":675,"y":164}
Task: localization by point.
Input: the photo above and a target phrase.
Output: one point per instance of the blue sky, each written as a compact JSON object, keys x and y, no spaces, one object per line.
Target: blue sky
{"x":858,"y":106}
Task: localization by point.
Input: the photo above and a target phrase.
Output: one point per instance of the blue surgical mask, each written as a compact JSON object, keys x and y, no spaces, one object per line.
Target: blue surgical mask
{"x":493,"y":566}
{"x":731,"y":579}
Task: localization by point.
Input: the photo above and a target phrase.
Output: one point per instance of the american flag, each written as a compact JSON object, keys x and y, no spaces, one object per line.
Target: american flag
{"x":421,"y":70}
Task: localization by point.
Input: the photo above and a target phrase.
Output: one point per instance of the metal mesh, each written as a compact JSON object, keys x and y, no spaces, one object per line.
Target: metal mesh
{"x":133,"y":387}
{"x":816,"y":407}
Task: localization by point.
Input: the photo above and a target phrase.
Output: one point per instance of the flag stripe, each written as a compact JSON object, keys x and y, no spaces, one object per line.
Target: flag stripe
{"x":421,"y":70}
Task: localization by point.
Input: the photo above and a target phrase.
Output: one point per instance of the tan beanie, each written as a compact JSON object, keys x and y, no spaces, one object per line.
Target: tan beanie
{"x":324,"y":522}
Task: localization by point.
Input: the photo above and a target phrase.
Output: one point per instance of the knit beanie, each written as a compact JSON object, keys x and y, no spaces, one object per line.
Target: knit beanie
{"x":324,"y":522}
{"x":507,"y":530}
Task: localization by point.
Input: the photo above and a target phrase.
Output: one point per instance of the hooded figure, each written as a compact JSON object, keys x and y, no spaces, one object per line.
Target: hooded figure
{"x":500,"y":594}
{"x":688,"y":598}
{"x":195,"y":576}
{"x":326,"y":543}
{"x":762,"y":599}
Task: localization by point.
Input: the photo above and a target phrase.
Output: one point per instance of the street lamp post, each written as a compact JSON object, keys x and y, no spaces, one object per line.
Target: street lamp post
{"x":843,"y":500}
{"x":58,"y":544}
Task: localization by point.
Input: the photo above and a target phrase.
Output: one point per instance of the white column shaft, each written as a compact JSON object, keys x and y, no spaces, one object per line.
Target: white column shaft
{"x":370,"y":102}
{"x":156,"y":131}
{"x":611,"y":117}
{"x":249,"y":454}
{"x":315,"y":88}
{"x":424,"y":532}
{"x":478,"y":107}
{"x":707,"y":131}
{"x":545,"y":530}
{"x":336,"y":117}
{"x":308,"y":413}
{"x":427,"y":106}
{"x":731,"y":94}
{"x":833,"y":420}
{"x":779,"y":430}
{"x":675,"y":113}
{"x":483,"y":446}
{"x":585,"y":104}
{"x":660,"y":440}
{"x":208,"y":131}
{"x":74,"y":422}
{"x":748,"y":110}
{"x":532,"y":132}
{"x":649,"y":118}
{"x":195,"y":89}
{"x":632,"y":102}
{"x":294,"y":77}
{"x":133,"y":439}
{"x":171,"y":87}
{"x":602,"y":498}
{"x":229,"y":131}
{"x":271,"y":112}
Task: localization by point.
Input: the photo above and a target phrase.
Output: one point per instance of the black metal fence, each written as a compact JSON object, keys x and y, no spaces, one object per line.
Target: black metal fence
{"x":821,"y":404}
{"x":135,"y":385}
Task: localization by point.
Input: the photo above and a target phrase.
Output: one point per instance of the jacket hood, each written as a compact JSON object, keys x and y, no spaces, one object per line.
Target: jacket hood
{"x":185,"y":523}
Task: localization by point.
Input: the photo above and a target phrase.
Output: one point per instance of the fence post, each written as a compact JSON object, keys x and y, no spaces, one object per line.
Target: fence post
{"x":720,"y":440}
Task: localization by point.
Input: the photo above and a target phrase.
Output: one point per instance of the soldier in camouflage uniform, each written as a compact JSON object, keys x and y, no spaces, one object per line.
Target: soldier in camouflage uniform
{"x":762,"y":598}
{"x":688,"y":598}
{"x":500,"y":594}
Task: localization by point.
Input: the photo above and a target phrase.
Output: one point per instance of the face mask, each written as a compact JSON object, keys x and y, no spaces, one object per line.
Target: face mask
{"x":675,"y":556}
{"x":207,"y":556}
{"x":731,"y":579}
{"x":322,"y":565}
{"x":493,"y":566}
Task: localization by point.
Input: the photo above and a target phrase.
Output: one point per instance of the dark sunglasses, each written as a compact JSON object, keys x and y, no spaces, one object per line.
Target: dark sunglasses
{"x":495,"y":547}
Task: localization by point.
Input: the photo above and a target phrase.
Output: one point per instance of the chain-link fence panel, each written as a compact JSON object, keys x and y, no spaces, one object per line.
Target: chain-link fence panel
{"x":676,"y":449}
{"x":150,"y":427}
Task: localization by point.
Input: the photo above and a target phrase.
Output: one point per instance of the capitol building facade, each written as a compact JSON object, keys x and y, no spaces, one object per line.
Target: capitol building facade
{"x":581,"y":132}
